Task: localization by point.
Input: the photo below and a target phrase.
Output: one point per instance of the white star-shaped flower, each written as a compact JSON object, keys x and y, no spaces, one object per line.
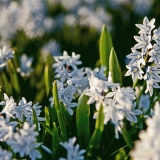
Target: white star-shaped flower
{"x":147,"y":26}
{"x":135,"y":71}
{"x":155,"y":54}
{"x":143,"y":42}
{"x":156,"y":36}
{"x":136,"y":57}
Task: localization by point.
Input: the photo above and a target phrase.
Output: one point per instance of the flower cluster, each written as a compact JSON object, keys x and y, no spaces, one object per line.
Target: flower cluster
{"x":73,"y":152}
{"x":148,"y":147}
{"x":115,"y":109}
{"x":24,"y":142}
{"x":20,"y":111}
{"x":139,"y":59}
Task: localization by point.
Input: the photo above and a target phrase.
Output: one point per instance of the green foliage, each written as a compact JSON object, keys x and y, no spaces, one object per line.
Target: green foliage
{"x":114,"y":68}
{"x":105,"y":46}
{"x":96,"y":137}
{"x":82,"y":120}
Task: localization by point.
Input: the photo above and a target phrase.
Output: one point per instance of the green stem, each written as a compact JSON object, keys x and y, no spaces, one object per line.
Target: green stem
{"x":58,"y":111}
{"x":127,"y":137}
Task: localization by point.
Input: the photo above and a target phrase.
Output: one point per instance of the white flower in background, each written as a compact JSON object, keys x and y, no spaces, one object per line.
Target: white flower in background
{"x":25,"y":65}
{"x":147,"y":26}
{"x":143,"y":42}
{"x":51,"y":47}
{"x":33,"y":18}
{"x":23,"y":109}
{"x":5,"y":54}
{"x":24,"y":142}
{"x":136,"y":57}
{"x":155,"y":54}
{"x":144,"y":102}
{"x":5,"y":155}
{"x":156,"y":36}
{"x":148,"y":147}
{"x":9,"y":106}
{"x":9,"y":22}
{"x":135,"y":71}
{"x":73,"y":152}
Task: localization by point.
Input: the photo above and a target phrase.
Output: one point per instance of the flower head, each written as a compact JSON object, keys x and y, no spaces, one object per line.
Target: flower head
{"x":147,"y":26}
{"x":73,"y":152}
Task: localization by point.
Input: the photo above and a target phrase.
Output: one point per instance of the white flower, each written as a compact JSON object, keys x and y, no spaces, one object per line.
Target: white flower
{"x":155,"y":54}
{"x":23,"y":108}
{"x":148,"y":147}
{"x":66,"y":60}
{"x":151,"y":83}
{"x":131,"y":114}
{"x":6,"y":130}
{"x":24,"y":142}
{"x":5,"y":54}
{"x":51,"y":47}
{"x":25,"y":65}
{"x":63,"y":75}
{"x":135,"y":71}
{"x":99,"y":73}
{"x":9,"y":107}
{"x":156,"y":35}
{"x":143,"y":42}
{"x":147,"y":26}
{"x":152,"y":73}
{"x":123,"y":96}
{"x":112,"y":112}
{"x":73,"y":152}
{"x":136,"y":57}
{"x":5,"y":155}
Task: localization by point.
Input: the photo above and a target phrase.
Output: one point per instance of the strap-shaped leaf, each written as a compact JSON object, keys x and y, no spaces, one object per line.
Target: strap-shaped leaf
{"x":96,"y":137}
{"x":13,"y":77}
{"x":55,"y":142}
{"x":46,"y":79}
{"x":58,"y":111}
{"x":114,"y":68}
{"x":105,"y":46}
{"x":66,"y":114}
{"x":82,"y":120}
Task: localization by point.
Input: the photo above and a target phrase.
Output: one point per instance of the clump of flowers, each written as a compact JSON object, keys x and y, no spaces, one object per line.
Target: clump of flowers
{"x":140,"y":66}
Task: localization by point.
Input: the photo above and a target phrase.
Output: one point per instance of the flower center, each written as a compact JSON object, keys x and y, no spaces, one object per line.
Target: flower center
{"x":138,"y":56}
{"x":135,"y":70}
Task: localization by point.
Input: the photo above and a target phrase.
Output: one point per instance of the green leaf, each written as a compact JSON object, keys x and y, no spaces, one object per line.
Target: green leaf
{"x":105,"y":46}
{"x":126,"y":137}
{"x":82,"y":120}
{"x":35,"y":121}
{"x":96,"y":137}
{"x":66,"y":114}
{"x":13,"y":77}
{"x":121,"y":154}
{"x":58,"y":111}
{"x":50,"y":131}
{"x":53,"y":115}
{"x":46,"y":79}
{"x":55,"y":142}
{"x":114,"y":68}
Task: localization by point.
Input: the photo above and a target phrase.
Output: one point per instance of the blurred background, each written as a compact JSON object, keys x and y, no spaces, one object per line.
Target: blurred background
{"x":45,"y":28}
